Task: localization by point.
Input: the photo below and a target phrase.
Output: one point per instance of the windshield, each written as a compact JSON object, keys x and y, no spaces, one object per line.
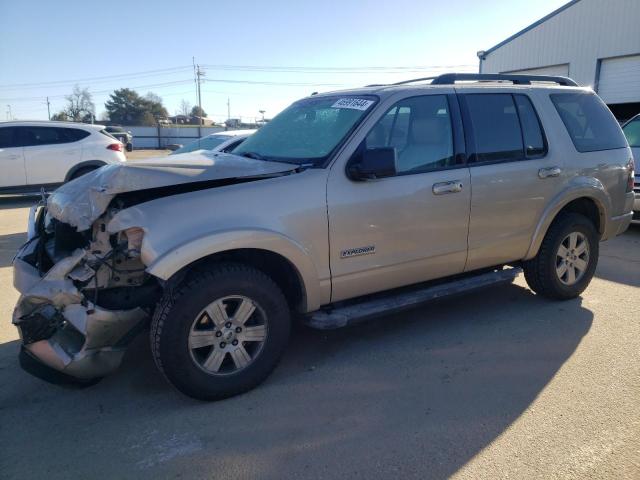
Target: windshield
{"x":204,"y":143}
{"x":308,"y":131}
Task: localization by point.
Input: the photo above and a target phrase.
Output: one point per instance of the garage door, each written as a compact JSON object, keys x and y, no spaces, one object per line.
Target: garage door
{"x":620,"y":80}
{"x":562,"y":70}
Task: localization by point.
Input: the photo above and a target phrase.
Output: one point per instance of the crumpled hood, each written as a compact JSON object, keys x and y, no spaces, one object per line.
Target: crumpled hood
{"x":81,"y":201}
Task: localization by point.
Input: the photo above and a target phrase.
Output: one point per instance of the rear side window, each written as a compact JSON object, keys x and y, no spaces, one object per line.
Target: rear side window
{"x":496,"y":127}
{"x":632,"y":132}
{"x":591,"y":125}
{"x":7,"y":138}
{"x":75,"y":134}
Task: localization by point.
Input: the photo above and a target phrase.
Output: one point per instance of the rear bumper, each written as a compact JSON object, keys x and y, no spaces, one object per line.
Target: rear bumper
{"x":60,"y":328}
{"x":618,"y":225}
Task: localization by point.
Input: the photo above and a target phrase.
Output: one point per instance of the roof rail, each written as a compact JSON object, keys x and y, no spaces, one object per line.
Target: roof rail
{"x":415,"y":80}
{"x":516,"y":79}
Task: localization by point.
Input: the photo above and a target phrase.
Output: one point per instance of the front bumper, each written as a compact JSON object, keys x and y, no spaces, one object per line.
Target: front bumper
{"x":62,"y":329}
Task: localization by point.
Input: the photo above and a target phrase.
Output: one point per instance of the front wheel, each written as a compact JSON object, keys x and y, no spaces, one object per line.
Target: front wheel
{"x":221,"y":332}
{"x":567,"y":258}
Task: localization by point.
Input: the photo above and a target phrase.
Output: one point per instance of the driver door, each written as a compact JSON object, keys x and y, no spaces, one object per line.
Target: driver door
{"x":411,"y":227}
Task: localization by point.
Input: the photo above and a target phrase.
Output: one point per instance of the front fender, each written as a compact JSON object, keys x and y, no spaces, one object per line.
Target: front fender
{"x":579,"y":187}
{"x":166,"y":255}
{"x":172,"y":260}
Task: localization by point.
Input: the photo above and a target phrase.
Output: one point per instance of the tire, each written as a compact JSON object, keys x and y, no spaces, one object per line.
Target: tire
{"x":545,"y":273}
{"x":191,"y":309}
{"x":82,"y":171}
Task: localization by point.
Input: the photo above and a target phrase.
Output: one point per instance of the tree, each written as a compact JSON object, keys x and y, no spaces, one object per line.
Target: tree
{"x":60,"y":116}
{"x":80,"y":107}
{"x":126,"y":106}
{"x":196,"y":111}
{"x":184,"y":108}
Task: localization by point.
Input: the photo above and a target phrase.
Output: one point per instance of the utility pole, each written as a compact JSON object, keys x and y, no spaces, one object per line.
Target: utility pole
{"x":9,"y":114}
{"x":228,"y":108}
{"x":48,"y":109}
{"x":199,"y":74}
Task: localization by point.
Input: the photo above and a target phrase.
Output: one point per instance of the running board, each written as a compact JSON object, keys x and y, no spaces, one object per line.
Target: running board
{"x":382,"y":304}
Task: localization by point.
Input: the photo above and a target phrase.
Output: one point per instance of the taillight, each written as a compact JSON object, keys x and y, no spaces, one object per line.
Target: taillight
{"x":116,"y":147}
{"x":630,"y":169}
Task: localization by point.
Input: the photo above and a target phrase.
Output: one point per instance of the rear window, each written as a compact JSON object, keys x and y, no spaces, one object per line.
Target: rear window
{"x":591,"y":125}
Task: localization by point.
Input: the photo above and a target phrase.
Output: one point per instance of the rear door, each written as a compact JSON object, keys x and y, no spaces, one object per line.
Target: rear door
{"x":514,"y":173}
{"x":50,"y":152}
{"x":11,"y":159}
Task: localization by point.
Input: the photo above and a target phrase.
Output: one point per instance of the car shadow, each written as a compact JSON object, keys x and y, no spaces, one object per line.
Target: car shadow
{"x":9,"y":202}
{"x":415,"y":395}
{"x":620,"y":258}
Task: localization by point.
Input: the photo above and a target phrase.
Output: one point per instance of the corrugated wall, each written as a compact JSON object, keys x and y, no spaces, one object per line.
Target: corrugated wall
{"x":580,"y":35}
{"x":154,"y":137}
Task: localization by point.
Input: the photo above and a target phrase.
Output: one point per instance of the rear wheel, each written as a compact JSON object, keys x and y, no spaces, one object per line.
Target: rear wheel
{"x":82,"y":171}
{"x":221,"y":332}
{"x":567,"y":258}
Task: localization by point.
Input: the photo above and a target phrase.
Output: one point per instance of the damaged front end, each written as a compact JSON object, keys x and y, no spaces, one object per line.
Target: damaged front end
{"x":84,"y":296}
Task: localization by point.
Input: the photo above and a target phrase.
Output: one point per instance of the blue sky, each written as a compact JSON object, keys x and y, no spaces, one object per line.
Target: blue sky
{"x":46,"y":47}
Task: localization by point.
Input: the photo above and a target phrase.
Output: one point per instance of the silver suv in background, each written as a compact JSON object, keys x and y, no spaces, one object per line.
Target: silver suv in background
{"x":631,"y":130}
{"x":345,"y":206}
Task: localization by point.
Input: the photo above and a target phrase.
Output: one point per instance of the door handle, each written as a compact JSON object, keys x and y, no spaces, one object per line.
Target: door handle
{"x":13,"y":157}
{"x":549,"y":172}
{"x":442,"y":188}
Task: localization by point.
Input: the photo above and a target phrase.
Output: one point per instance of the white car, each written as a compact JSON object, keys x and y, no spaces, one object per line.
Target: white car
{"x":35,"y":155}
{"x":217,"y":142}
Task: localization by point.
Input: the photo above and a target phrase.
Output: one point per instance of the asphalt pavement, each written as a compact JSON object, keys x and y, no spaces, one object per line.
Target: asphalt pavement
{"x":495,"y":384}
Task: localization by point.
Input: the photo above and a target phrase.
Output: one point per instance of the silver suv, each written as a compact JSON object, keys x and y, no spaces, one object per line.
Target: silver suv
{"x":345,"y":206}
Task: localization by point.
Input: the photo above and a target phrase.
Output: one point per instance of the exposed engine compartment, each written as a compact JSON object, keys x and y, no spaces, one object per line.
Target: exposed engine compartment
{"x":84,"y":294}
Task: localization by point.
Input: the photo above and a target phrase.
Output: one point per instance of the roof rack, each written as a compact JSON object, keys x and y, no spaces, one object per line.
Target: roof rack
{"x":452,"y":78}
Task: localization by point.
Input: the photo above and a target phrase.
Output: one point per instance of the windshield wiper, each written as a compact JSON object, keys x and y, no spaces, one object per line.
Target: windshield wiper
{"x":254,"y":155}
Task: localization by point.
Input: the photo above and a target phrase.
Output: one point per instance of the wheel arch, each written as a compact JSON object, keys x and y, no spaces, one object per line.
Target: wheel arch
{"x":590,"y":201}
{"x":78,"y":166}
{"x":287,"y":263}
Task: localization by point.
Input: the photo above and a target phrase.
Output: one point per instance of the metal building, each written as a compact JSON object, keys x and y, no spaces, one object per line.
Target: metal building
{"x":595,"y":42}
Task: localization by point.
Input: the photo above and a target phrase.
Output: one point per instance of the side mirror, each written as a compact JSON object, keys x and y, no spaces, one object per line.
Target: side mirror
{"x":373,"y":163}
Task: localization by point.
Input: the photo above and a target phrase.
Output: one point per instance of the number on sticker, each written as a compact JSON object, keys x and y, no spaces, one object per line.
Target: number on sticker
{"x":354,"y":103}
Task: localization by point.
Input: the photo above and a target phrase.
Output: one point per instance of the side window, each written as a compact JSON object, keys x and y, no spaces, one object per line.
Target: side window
{"x":419,"y":128}
{"x":496,"y":127}
{"x":632,"y":132}
{"x":231,"y":146}
{"x":35,"y":136}
{"x":534,"y":141}
{"x":7,"y":138}
{"x":591,"y":125}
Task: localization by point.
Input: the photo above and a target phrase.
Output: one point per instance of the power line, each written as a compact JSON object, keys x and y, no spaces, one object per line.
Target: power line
{"x":288,"y":84}
{"x":100,"y":92}
{"x":146,"y":73}
{"x":301,"y":69}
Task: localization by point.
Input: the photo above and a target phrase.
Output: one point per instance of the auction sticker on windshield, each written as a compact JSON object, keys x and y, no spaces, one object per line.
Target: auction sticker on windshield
{"x":354,"y":103}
